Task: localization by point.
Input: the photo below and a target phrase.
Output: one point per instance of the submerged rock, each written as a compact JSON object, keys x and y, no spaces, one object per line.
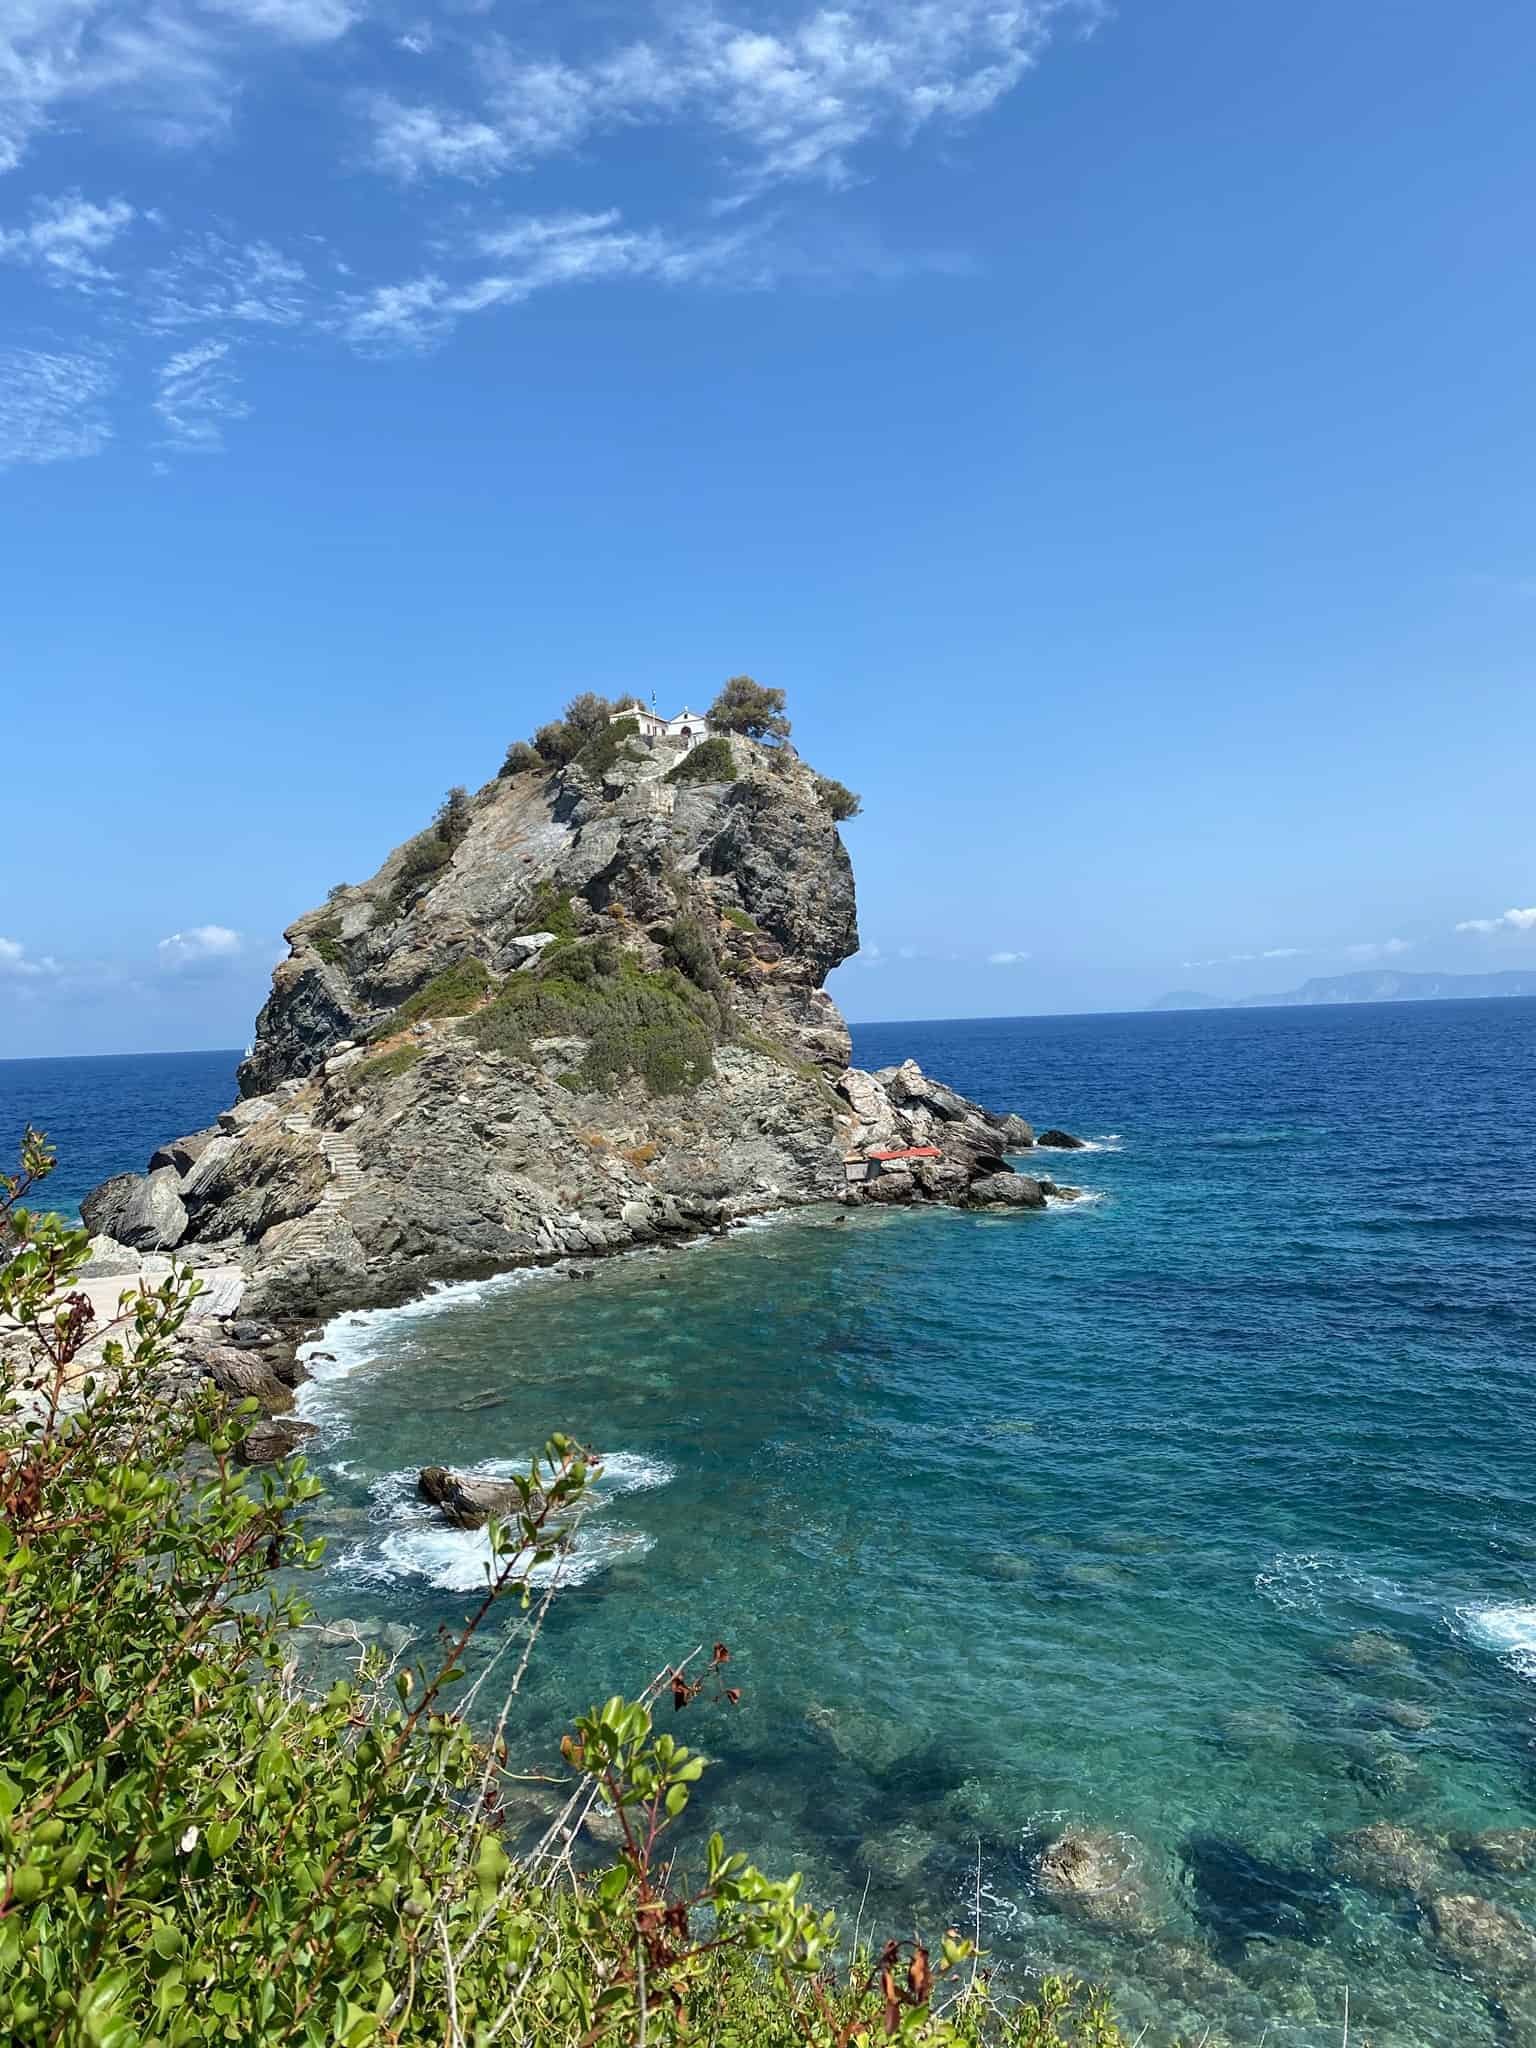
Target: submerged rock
{"x":1488,"y":1941}
{"x":1260,"y":1728}
{"x":895,"y":1855}
{"x":1098,"y":1876}
{"x":1509,"y":1851}
{"x":1371,"y":1650}
{"x":1241,"y":1895}
{"x":1386,"y":1857}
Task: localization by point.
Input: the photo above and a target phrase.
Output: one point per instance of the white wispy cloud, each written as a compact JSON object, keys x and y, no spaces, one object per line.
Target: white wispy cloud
{"x":794,"y":99}
{"x":51,"y":405}
{"x":293,"y":21}
{"x":214,"y":280}
{"x":197,"y":397}
{"x":65,"y":237}
{"x":754,"y":96}
{"x":1262,"y":953}
{"x":169,"y":68}
{"x":511,"y":262}
{"x":1006,"y":959}
{"x":202,"y":942}
{"x":1379,"y":949}
{"x":15,"y":960}
{"x":1510,"y":921}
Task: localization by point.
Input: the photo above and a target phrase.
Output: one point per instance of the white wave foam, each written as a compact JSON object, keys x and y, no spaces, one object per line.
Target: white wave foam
{"x":420,"y":1545}
{"x":1307,"y":1581}
{"x":1508,"y":1629}
{"x":1086,"y":1200}
{"x":455,"y":1560}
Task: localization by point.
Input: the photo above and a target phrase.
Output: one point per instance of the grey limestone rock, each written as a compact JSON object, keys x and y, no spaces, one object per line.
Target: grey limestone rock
{"x":344,"y":1176}
{"x":465,"y":1499}
{"x":103,"y":1208}
{"x":183,"y":1153}
{"x":154,"y":1218}
{"x":272,"y":1439}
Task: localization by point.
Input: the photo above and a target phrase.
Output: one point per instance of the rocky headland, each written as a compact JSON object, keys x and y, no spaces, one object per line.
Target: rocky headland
{"x":583,"y":1010}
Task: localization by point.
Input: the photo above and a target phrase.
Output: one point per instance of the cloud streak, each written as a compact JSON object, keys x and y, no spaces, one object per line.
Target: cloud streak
{"x":1510,"y":921}
{"x":202,"y":943}
{"x":52,"y":405}
{"x":791,"y":100}
{"x":65,"y":237}
{"x":15,"y":961}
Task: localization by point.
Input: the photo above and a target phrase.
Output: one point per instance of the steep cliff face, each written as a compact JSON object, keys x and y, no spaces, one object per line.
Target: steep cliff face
{"x":586,"y":1012}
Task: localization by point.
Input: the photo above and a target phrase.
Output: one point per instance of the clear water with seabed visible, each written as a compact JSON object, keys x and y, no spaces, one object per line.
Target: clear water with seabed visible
{"x":1202,"y":1513}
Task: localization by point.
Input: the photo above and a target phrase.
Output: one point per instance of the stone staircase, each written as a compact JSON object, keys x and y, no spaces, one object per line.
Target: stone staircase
{"x":306,"y":1235}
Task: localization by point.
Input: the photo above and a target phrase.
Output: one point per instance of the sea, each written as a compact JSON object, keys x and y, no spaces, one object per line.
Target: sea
{"x":1199,"y":1513}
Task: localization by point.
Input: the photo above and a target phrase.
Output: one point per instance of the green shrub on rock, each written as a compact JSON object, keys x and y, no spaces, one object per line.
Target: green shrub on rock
{"x":691,"y":949}
{"x":607,"y":744}
{"x":555,"y":743}
{"x":388,"y":1066}
{"x":710,"y":761}
{"x":520,"y":758}
{"x":325,"y":938}
{"x":423,"y":858}
{"x":838,"y":797}
{"x":451,"y":993}
{"x":551,"y":911}
{"x":657,"y":1026}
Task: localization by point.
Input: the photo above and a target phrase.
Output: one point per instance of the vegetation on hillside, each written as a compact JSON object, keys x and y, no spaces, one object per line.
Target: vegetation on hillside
{"x":710,"y":761}
{"x":659,"y":1026}
{"x":422,"y":859}
{"x":451,"y":993}
{"x":386,"y":1066}
{"x":606,"y":744}
{"x":195,"y":1849}
{"x":838,"y":797}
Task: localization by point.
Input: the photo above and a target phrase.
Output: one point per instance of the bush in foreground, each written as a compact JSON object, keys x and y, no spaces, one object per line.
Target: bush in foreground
{"x":194,"y":1850}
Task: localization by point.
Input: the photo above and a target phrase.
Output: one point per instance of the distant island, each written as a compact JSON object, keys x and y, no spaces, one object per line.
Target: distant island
{"x":1369,"y":985}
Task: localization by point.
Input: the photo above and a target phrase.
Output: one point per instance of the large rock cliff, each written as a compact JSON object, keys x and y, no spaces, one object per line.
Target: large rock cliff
{"x":584,"y":1011}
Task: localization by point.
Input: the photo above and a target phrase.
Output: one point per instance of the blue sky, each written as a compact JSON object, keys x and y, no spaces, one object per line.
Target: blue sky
{"x":1113,"y":428}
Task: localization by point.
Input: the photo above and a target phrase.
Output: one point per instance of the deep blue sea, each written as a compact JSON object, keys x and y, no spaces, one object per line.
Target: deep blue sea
{"x":1202,"y":1513}
{"x":107,"y":1115}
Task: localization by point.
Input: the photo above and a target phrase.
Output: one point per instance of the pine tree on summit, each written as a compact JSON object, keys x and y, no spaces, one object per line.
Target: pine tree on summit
{"x":753,"y":709}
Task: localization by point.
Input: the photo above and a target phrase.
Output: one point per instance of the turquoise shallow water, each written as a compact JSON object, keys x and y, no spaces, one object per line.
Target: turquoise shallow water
{"x":1201,"y":1513}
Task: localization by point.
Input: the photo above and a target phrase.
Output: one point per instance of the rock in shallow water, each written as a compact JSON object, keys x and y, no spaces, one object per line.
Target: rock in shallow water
{"x":1385,"y":1857}
{"x":1098,"y":1876}
{"x":466,"y":1500}
{"x":1061,"y":1141}
{"x":1510,"y":1851}
{"x":1489,"y":1942}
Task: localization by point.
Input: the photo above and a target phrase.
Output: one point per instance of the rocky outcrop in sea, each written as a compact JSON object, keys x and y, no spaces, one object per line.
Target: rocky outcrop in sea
{"x":585,"y":1010}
